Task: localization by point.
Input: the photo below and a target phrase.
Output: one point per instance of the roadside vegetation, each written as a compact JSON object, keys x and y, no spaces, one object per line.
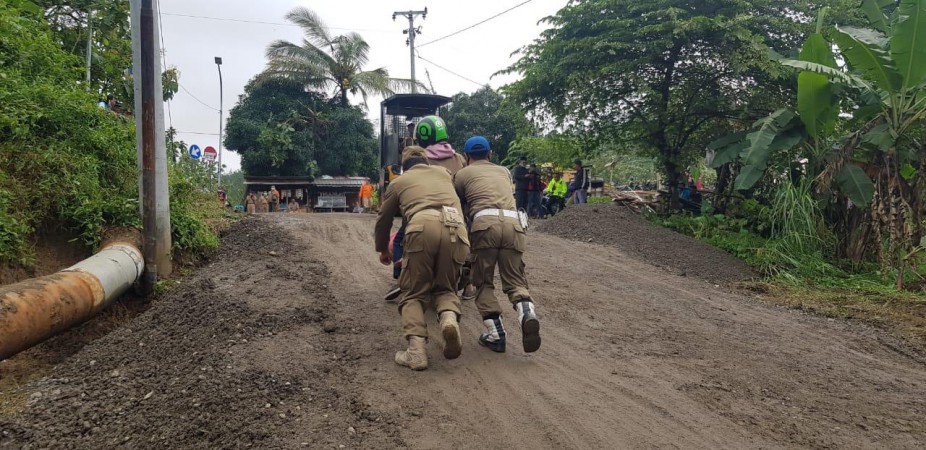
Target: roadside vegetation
{"x":65,"y":163}
{"x":804,"y":120}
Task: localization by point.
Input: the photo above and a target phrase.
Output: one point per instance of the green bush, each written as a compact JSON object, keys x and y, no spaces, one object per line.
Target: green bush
{"x":600,"y":200}
{"x":65,"y":164}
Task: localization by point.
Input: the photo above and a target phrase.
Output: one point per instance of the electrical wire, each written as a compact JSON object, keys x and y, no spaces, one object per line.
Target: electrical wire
{"x":194,"y":97}
{"x":448,"y":70}
{"x":229,"y":19}
{"x":476,"y":24}
{"x":197,"y":132}
{"x":170,"y":117}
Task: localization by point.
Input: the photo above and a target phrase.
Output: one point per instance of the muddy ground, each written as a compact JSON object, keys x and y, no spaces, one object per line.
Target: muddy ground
{"x":283,"y":341}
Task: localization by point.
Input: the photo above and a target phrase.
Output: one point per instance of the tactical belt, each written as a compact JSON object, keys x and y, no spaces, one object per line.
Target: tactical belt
{"x":496,"y":212}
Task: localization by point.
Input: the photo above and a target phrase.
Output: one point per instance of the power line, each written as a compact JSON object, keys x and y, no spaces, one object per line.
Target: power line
{"x":476,"y":24}
{"x":194,"y":97}
{"x":170,"y":117}
{"x":196,"y":132}
{"x":449,"y":71}
{"x":229,"y":19}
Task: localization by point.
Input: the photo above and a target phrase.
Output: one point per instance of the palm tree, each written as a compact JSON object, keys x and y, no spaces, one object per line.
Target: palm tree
{"x":329,"y":63}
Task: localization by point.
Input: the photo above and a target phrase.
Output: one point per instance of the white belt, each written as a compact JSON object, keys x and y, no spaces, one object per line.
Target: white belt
{"x":496,"y":212}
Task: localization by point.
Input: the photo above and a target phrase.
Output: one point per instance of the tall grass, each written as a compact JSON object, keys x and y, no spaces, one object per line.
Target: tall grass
{"x":800,"y":240}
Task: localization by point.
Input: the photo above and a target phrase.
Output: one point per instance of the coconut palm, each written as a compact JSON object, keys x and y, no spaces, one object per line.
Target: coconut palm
{"x":329,"y":63}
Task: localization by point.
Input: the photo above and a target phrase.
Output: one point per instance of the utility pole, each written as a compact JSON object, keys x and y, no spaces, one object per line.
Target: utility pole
{"x":218,"y":63}
{"x":412,"y":32}
{"x":149,"y":199}
{"x":89,"y":43}
{"x":150,"y":140}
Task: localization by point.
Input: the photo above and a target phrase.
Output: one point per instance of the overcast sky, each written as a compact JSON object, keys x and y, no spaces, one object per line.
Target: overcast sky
{"x":230,"y":29}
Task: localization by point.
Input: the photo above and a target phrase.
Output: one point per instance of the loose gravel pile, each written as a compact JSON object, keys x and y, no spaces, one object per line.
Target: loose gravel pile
{"x":617,"y":226}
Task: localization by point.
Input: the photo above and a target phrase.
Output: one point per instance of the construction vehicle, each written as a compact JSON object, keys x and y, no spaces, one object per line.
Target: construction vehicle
{"x":396,"y":113}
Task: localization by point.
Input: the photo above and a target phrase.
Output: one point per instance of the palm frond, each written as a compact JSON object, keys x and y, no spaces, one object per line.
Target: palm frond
{"x":312,"y":25}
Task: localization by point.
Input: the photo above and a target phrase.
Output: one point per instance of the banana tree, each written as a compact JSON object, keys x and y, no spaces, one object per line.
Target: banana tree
{"x":879,"y":164}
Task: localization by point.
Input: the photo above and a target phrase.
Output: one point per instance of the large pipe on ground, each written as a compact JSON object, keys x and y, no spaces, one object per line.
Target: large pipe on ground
{"x":34,"y":310}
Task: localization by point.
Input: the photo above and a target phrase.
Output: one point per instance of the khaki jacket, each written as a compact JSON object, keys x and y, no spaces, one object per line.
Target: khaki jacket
{"x":420,"y":188}
{"x":483,"y":185}
{"x":452,"y":164}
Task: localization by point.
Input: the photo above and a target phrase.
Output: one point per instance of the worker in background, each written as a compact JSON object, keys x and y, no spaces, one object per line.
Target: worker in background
{"x":497,"y":240}
{"x":409,"y":139}
{"x":436,"y":244}
{"x":251,"y":203}
{"x":557,"y":190}
{"x":557,"y":186}
{"x":534,"y":190}
{"x":262,"y":203}
{"x":366,"y":195}
{"x":582,"y":181}
{"x":520,"y":176}
{"x":274,"y":199}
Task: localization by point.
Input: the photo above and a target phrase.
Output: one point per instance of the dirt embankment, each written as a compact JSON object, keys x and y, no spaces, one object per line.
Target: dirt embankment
{"x":193,"y":371}
{"x":617,"y":226}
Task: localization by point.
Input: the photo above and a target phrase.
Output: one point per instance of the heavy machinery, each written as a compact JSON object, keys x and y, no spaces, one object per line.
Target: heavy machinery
{"x":396,"y":114}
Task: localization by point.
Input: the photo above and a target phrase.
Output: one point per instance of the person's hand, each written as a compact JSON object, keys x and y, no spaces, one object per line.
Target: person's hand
{"x":385,"y":258}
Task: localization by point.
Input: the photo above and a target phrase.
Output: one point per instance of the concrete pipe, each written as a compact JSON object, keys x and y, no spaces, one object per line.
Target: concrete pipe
{"x":34,"y":310}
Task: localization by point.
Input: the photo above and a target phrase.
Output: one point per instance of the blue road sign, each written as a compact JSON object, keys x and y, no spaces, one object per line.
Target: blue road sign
{"x":195,"y":152}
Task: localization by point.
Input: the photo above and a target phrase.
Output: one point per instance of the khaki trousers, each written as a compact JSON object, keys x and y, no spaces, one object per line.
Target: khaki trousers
{"x":434,"y":255}
{"x":498,"y":242}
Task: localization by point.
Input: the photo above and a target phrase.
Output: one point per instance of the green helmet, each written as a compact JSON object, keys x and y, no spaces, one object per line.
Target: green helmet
{"x":431,"y":130}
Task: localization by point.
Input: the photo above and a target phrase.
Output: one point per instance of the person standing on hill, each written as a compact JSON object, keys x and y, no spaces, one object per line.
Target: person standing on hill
{"x":497,"y":240}
{"x":262,"y":203}
{"x":436,"y":243}
{"x":582,"y":183}
{"x":520,"y":176}
{"x":533,"y":191}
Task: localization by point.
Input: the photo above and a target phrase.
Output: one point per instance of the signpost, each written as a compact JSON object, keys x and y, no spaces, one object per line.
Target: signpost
{"x":195,"y":152}
{"x":209,"y":154}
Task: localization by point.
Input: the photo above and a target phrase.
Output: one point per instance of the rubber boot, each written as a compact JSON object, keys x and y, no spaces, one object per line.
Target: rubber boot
{"x":450,"y":330}
{"x":494,"y":337}
{"x":530,"y":326}
{"x":416,"y":357}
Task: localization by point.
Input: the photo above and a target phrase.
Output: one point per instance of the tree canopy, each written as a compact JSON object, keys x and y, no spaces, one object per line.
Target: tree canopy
{"x":484,"y":112}
{"x":657,"y":75}
{"x":280,"y":129}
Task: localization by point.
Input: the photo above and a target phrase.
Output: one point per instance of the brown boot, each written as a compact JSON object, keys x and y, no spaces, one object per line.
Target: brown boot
{"x":416,"y":357}
{"x":450,"y":330}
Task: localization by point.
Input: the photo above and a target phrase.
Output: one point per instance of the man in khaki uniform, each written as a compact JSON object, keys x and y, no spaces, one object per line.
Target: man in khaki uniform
{"x":497,"y":240}
{"x":436,"y":244}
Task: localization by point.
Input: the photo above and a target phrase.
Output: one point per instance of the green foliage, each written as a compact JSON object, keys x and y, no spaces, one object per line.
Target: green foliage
{"x":111,"y":46}
{"x":65,"y":162}
{"x":659,"y":75}
{"x":600,"y":200}
{"x":279,"y":129}
{"x":234,"y":187}
{"x":329,"y":63}
{"x":558,"y":149}
{"x":192,"y":207}
{"x":486,"y":113}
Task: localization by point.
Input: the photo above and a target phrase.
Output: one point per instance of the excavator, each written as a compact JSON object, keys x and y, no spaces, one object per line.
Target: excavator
{"x":397,"y":117}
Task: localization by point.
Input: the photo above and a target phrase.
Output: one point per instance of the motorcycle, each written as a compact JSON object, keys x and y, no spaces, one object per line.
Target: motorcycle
{"x":550,"y":205}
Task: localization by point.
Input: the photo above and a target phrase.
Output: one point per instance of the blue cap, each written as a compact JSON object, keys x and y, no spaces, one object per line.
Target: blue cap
{"x":476,"y":144}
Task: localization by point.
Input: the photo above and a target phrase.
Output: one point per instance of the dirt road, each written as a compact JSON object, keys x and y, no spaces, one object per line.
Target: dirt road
{"x":294,"y":349}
